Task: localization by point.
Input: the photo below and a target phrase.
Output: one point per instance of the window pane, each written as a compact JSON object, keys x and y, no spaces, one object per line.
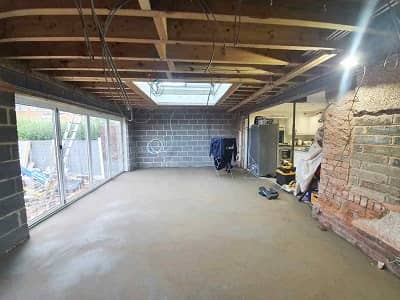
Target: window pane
{"x":98,"y":140}
{"x":36,"y":142}
{"x":75,"y":154}
{"x":116,"y":147}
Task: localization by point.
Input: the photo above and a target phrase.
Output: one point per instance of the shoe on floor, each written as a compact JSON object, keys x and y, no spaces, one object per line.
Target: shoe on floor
{"x":269,"y":194}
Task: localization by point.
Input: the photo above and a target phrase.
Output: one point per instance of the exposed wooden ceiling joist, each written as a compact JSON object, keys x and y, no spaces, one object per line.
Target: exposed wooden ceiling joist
{"x":162,"y":31}
{"x":262,"y":48}
{"x":139,"y":52}
{"x":228,"y":93}
{"x":231,"y":71}
{"x":130,"y":30}
{"x":187,"y":79}
{"x":299,"y":70}
{"x":263,"y":78}
{"x":155,"y":66}
{"x":335,"y":16}
{"x":251,"y":35}
{"x":107,"y":91}
{"x":138,"y":91}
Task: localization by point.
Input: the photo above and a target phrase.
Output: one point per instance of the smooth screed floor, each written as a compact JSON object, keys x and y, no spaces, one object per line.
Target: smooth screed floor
{"x":188,"y":234}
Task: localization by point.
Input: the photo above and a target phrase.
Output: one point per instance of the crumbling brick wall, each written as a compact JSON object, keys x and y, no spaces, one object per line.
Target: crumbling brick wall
{"x":375,"y":161}
{"x":360,"y":171}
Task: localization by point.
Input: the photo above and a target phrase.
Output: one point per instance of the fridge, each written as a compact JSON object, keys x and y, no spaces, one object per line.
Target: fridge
{"x":263,"y":149}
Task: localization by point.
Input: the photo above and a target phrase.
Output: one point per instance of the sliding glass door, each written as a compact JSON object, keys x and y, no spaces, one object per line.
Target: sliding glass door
{"x":99,"y":148}
{"x":65,"y":152}
{"x":116,"y":153}
{"x":75,"y":155}
{"x":37,"y":152}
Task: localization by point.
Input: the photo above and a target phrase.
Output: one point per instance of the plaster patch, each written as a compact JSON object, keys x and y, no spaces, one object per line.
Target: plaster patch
{"x":387,"y":228}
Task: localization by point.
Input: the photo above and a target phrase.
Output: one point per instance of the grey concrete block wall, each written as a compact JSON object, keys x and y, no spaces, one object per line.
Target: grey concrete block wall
{"x":176,"y":137}
{"x":13,"y":222}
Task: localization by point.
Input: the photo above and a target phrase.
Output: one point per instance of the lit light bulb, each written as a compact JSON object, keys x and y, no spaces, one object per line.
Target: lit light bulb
{"x":350,"y":62}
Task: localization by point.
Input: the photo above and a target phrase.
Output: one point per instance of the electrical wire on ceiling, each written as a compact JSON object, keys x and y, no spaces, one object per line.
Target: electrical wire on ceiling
{"x":109,"y":68}
{"x":208,"y":12}
{"x":79,"y":7}
{"x":109,"y":65}
{"x":211,"y":92}
{"x":78,"y":4}
{"x":237,"y":23}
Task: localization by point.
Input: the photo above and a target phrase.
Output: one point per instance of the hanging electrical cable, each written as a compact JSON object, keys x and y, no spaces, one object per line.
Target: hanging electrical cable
{"x":109,"y":67}
{"x":207,"y":11}
{"x":78,"y":4}
{"x":237,"y":23}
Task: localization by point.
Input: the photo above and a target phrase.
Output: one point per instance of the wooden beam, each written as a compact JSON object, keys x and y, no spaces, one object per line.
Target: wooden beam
{"x":239,"y":70}
{"x":130,"y":30}
{"x":86,"y":64}
{"x":289,"y":46}
{"x":228,"y":93}
{"x":116,"y":96}
{"x":221,"y":55}
{"x":162,"y":31}
{"x":107,"y":92}
{"x":100,"y":86}
{"x":39,"y":85}
{"x":161,"y":26}
{"x":146,"y":66}
{"x":138,"y":91}
{"x":329,"y":81}
{"x":187,"y":79}
{"x":141,"y":52}
{"x":299,"y":70}
{"x":171,"y":66}
{"x":253,"y":35}
{"x":277,"y":16}
{"x":144,"y":4}
{"x":156,"y":76}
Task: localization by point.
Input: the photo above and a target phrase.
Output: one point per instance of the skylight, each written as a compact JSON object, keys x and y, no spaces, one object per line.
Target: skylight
{"x":183,"y":93}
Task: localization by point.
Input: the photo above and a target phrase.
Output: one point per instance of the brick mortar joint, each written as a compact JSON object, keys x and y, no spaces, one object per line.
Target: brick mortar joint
{"x":16,"y":212}
{"x":391,"y":111}
{"x":11,"y":195}
{"x":10,"y":178}
{"x":23,"y":225}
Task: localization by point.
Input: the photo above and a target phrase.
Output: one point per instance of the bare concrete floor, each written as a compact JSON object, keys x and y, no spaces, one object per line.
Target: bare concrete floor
{"x":188,"y":234}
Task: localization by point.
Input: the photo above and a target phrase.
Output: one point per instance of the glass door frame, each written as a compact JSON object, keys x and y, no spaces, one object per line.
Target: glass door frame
{"x":56,"y":107}
{"x":107,"y":145}
{"x":121,"y":149}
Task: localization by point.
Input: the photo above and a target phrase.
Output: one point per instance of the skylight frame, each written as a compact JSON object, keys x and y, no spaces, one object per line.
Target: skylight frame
{"x":183,"y":93}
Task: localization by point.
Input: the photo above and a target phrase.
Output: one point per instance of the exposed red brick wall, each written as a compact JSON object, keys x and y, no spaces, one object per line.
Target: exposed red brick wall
{"x":360,"y":169}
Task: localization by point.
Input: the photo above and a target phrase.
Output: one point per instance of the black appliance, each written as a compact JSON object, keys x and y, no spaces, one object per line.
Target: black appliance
{"x":285,"y":153}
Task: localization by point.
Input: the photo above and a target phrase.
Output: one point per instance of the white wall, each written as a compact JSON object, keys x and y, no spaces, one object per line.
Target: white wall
{"x":305,"y":124}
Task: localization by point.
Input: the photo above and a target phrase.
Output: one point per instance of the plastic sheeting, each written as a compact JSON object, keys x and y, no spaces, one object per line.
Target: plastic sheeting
{"x":307,"y":167}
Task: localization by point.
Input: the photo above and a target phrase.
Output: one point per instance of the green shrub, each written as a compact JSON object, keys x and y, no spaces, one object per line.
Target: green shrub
{"x":33,"y":130}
